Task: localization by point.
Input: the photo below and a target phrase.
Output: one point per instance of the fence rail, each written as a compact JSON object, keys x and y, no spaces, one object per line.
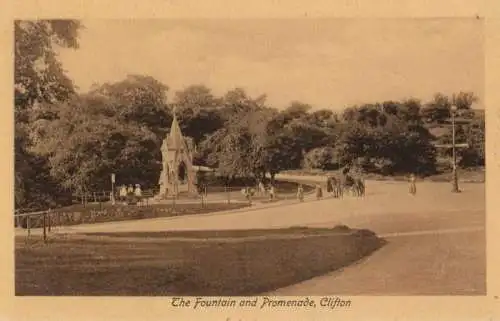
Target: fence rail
{"x":106,"y":209}
{"x":44,"y":216}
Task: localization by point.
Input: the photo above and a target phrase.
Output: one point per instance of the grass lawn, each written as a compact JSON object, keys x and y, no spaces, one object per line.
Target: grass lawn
{"x":186,"y":263}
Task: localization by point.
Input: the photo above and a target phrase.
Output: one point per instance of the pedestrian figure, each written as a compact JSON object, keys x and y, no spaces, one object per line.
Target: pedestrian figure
{"x":329,"y":185}
{"x":123,"y":193}
{"x":413,"y":186}
{"x":271,"y":193}
{"x":244,"y":192}
{"x":250,"y":193}
{"x":319,"y":192}
{"x":300,"y":193}
{"x":130,"y":190}
{"x":262,"y":189}
{"x":138,"y":191}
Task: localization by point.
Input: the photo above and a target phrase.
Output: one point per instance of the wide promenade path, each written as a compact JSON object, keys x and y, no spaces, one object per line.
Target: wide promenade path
{"x":436,"y":239}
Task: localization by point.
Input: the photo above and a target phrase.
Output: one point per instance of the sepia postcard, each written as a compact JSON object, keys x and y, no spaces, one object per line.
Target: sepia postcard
{"x":227,"y":162}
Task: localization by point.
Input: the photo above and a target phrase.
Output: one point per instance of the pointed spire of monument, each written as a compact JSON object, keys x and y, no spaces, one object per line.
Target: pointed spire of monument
{"x":175,"y":135}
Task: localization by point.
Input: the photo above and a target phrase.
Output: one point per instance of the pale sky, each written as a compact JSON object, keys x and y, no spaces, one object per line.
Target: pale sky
{"x":328,"y":63}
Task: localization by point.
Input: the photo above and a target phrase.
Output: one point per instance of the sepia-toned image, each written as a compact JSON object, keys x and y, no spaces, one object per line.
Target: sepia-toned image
{"x":250,"y":157}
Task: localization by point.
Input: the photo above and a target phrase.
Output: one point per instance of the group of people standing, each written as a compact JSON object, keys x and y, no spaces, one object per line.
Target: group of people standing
{"x":248,"y":192}
{"x":128,"y":191}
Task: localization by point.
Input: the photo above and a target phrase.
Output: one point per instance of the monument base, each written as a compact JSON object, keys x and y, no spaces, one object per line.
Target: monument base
{"x":182,"y":190}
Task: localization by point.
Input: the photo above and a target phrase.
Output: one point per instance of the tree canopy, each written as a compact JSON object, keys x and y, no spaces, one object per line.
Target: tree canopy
{"x":66,"y":142}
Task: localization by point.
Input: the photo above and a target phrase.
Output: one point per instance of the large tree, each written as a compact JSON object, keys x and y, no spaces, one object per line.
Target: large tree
{"x":438,"y":110}
{"x":199,"y":112}
{"x":237,"y":149}
{"x":116,"y":128}
{"x":39,"y":79}
{"x":464,"y":100}
{"x":138,"y":99}
{"x":387,"y":138}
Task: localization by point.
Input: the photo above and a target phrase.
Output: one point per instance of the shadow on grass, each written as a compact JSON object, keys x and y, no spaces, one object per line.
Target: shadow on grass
{"x":89,"y":266}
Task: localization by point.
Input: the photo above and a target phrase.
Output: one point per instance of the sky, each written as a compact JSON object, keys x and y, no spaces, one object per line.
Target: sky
{"x":328,"y":63}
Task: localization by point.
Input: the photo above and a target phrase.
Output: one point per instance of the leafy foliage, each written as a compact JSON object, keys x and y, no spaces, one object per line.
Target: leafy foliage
{"x":116,"y":128}
{"x":437,"y":110}
{"x":199,"y":112}
{"x":68,"y":142}
{"x":323,"y":158}
{"x":475,"y":154}
{"x":38,"y":79}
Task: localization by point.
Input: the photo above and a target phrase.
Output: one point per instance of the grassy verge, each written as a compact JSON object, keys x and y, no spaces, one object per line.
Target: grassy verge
{"x":205,"y":263}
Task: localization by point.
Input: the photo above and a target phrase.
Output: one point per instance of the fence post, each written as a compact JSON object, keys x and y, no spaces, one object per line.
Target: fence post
{"x":44,"y":227}
{"x":50,"y":219}
{"x":205,"y":194}
{"x":28,"y":225}
{"x":228,"y":191}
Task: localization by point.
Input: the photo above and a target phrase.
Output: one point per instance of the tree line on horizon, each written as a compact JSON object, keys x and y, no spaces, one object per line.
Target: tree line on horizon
{"x":67,"y":142}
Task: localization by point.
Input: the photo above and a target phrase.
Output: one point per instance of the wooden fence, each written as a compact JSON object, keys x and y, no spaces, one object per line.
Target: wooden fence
{"x":40,"y":218}
{"x":48,"y":219}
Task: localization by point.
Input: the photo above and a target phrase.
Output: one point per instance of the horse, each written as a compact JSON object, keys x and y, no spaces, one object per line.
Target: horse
{"x":355,"y":185}
{"x":333,"y":185}
{"x":359,"y":187}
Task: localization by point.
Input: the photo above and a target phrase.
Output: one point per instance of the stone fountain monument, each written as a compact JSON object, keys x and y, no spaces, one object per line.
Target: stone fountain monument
{"x":177,"y":175}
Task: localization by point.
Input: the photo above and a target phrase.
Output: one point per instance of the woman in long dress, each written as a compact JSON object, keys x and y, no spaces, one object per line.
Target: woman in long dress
{"x":300,"y":193}
{"x":123,"y":193}
{"x":271,"y":192}
{"x":319,"y":192}
{"x":413,"y":185}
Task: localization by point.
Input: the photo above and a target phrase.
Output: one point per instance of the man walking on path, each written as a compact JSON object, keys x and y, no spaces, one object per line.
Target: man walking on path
{"x":300,"y":193}
{"x":413,"y":186}
{"x":272,"y":193}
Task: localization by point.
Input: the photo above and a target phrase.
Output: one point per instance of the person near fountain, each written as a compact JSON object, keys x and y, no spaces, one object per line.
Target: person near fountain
{"x":123,"y":193}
